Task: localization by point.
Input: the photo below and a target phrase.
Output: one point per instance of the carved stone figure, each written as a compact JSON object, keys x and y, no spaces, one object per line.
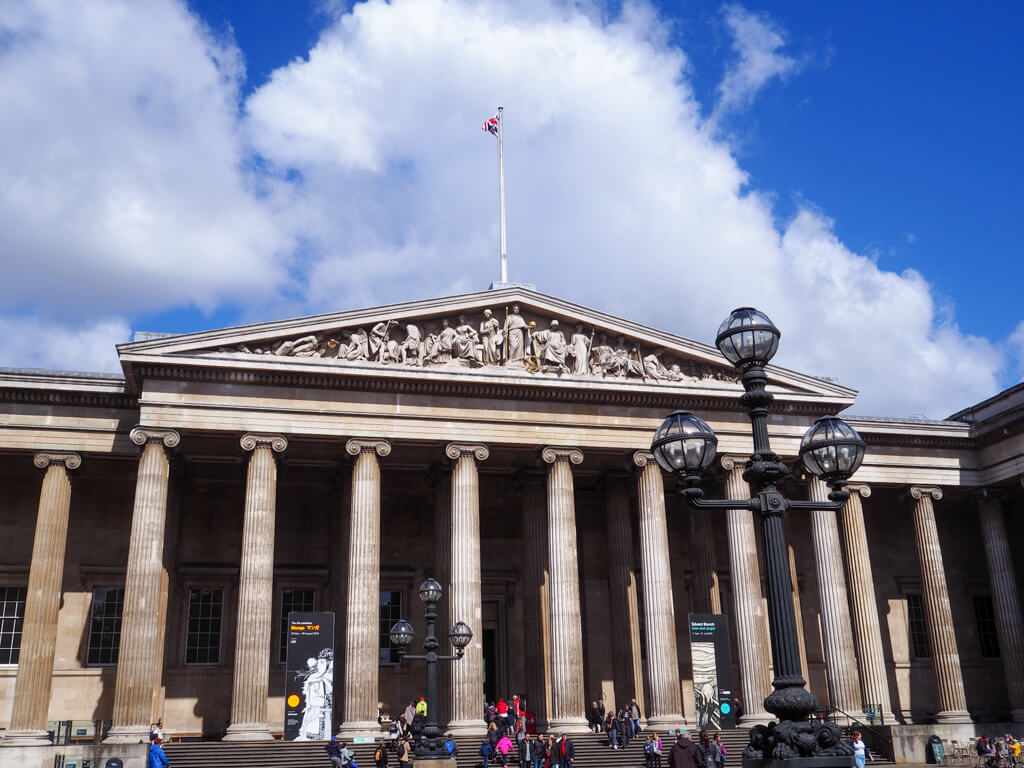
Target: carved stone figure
{"x":516,"y":335}
{"x":307,"y":346}
{"x":491,"y":339}
{"x":441,"y":345}
{"x":627,"y":360}
{"x":600,"y":355}
{"x":653,"y":369}
{"x":357,"y":347}
{"x":411,"y":350}
{"x":379,"y":338}
{"x":579,"y":351}
{"x":551,"y":348}
{"x":466,"y":338}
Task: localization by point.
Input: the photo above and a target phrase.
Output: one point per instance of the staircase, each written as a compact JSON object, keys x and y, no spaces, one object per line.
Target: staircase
{"x":592,"y":751}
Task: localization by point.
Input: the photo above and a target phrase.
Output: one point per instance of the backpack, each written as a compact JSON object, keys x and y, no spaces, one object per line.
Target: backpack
{"x":378,"y":756}
{"x":449,"y":746}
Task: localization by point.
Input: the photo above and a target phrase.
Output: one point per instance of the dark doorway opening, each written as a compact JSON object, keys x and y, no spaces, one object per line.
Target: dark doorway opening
{"x":490,"y":665}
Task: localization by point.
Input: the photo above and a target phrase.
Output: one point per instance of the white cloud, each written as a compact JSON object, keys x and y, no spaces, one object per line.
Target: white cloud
{"x":757,"y":42}
{"x":619,"y":195}
{"x":33,"y":342}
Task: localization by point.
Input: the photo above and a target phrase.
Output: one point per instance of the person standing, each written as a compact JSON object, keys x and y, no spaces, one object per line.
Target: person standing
{"x":566,"y":751}
{"x":634,"y":715}
{"x":156,"y":757}
{"x":336,"y":752}
{"x":860,"y":751}
{"x":410,"y":714}
{"x":523,"y":746}
{"x":684,"y":753}
{"x":625,"y":728}
{"x":380,"y":756}
{"x":600,"y":708}
{"x":594,"y":718}
{"x":421,"y":707}
{"x":537,"y":751}
{"x":611,"y":727}
{"x":403,"y":753}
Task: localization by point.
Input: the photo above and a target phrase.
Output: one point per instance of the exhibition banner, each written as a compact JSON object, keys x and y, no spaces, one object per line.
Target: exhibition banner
{"x":712,"y":675}
{"x":309,"y":677}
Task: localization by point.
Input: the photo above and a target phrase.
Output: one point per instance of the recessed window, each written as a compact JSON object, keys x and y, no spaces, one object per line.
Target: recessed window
{"x":300,"y":600}
{"x":205,"y":611}
{"x":390,"y":612}
{"x":12,"y":616}
{"x":985,"y":617}
{"x":105,"y":625}
{"x":917,"y":628}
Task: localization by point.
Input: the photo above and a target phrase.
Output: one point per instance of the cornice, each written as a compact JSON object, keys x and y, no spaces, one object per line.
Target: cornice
{"x":70,"y":397}
{"x":557,"y":390}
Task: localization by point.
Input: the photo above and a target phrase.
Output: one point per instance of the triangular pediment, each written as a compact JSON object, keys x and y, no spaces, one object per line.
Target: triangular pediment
{"x":510,"y":334}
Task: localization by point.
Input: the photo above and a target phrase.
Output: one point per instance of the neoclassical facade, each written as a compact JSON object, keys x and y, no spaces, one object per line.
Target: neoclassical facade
{"x":158,"y":527}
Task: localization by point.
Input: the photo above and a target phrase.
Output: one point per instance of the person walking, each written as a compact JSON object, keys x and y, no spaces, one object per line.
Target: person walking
{"x":487,"y":750}
{"x":156,"y":757}
{"x":720,"y":749}
{"x":634,"y":716}
{"x":380,"y":757}
{"x":708,"y":748}
{"x":537,"y":751}
{"x":504,"y":747}
{"x":860,"y":751}
{"x":625,"y":727}
{"x":421,"y":707}
{"x":410,"y":714}
{"x":339,"y":756}
{"x":566,"y":752}
{"x":523,"y":750}
{"x":611,"y":727}
{"x":594,"y":717}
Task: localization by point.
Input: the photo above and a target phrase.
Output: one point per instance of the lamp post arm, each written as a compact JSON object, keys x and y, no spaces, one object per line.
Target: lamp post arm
{"x":414,"y":658}
{"x":695,"y":500}
{"x":816,"y":505}
{"x":450,"y":658}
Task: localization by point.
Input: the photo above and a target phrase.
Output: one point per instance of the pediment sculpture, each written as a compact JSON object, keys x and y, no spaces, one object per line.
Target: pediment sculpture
{"x":522,"y":342}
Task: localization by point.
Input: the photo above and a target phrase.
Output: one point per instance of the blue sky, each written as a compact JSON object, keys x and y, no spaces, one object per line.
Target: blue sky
{"x":245,"y":161}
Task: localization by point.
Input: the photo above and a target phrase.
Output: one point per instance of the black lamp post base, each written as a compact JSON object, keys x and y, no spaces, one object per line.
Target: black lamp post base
{"x":808,"y":743}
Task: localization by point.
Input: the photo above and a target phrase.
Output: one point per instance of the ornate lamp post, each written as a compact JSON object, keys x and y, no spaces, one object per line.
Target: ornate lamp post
{"x":685,"y":445}
{"x":429,"y":744}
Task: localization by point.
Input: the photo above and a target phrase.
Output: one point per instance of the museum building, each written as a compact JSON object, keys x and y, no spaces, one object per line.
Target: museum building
{"x":157,"y":528}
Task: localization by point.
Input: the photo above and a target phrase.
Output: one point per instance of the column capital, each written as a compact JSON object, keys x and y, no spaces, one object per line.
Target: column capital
{"x":250,"y":441}
{"x":358,"y":445}
{"x":141,"y":435}
{"x":861,"y":489}
{"x":731,"y":461}
{"x":551,"y":454}
{"x":478,"y":451}
{"x":643,"y":458}
{"x":44,"y":459}
{"x":919,"y":492}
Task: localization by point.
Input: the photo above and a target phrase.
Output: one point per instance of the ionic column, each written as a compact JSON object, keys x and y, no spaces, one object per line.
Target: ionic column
{"x":143,"y":588}
{"x":834,"y":607}
{"x":1005,"y":602}
{"x":255,"y":624}
{"x":536,"y":609}
{"x":664,"y":705}
{"x":748,"y":608}
{"x":867,"y":633}
{"x":42,"y":603}
{"x":625,"y":627}
{"x":362,"y":607}
{"x":567,"y":693}
{"x":949,"y":681}
{"x":466,"y":601}
{"x":706,"y":596}
{"x":441,"y":482}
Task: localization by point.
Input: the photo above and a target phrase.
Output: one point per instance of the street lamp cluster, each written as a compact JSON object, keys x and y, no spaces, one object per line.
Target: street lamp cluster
{"x":429,"y":745}
{"x":685,"y":445}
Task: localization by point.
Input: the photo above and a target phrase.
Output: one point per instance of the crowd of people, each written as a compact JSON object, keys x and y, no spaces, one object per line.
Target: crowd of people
{"x":999,"y":752}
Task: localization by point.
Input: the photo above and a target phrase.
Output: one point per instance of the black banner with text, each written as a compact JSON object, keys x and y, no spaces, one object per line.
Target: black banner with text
{"x":309,"y":677}
{"x":712,"y":677}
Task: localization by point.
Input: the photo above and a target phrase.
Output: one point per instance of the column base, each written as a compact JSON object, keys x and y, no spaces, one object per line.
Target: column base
{"x":953,"y":716}
{"x":568,"y":725}
{"x":26,"y":738}
{"x":467,"y":728}
{"x":248,"y":732}
{"x":662,"y":723}
{"x":128,"y":734}
{"x":1017,"y":715}
{"x":363,"y":729}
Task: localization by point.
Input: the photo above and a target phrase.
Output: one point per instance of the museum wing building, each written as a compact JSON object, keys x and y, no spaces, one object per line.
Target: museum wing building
{"x":157,"y":528}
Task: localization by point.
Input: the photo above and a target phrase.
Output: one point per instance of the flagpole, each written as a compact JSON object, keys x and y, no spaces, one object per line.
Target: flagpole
{"x":503,"y":264}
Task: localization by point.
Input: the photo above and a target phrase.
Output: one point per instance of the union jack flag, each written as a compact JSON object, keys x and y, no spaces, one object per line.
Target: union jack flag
{"x":491,"y":125}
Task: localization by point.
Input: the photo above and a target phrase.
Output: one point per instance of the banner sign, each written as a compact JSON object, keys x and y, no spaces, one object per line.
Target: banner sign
{"x":712,"y":677}
{"x":309,"y":677}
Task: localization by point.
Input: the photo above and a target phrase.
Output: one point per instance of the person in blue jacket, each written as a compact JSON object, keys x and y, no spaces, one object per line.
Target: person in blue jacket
{"x":157,"y":758}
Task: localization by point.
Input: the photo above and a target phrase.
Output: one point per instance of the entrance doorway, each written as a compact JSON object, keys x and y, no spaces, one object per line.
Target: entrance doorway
{"x":490,"y":664}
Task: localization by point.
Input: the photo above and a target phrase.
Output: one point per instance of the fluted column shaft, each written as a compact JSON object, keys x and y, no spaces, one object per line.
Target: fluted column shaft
{"x":362,"y":608}
{"x":466,"y":603}
{"x":536,"y":610}
{"x":867,"y":632}
{"x":255,"y":593}
{"x":625,"y":625}
{"x":834,"y":607}
{"x":706,"y":596}
{"x":567,"y":693}
{"x":748,"y":608}
{"x":1005,"y":602}
{"x":443,"y":573}
{"x":42,"y":603}
{"x":143,"y":587}
{"x":664,"y":700}
{"x":952,"y":703}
